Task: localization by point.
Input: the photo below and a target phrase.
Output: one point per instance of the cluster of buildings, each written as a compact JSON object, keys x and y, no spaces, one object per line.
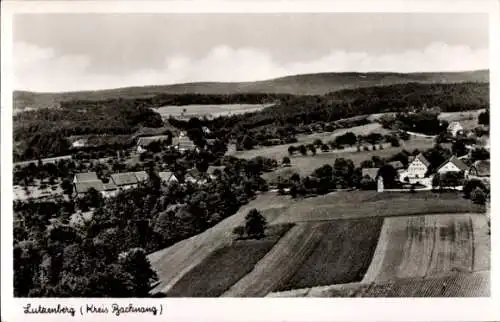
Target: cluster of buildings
{"x":417,"y":171}
{"x":82,"y":182}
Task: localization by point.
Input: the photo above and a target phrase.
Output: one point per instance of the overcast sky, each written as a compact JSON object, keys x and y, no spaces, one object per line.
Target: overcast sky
{"x":66,"y":52}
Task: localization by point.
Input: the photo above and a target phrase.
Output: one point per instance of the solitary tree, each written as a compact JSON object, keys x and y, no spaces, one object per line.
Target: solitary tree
{"x":255,"y":224}
{"x":478,"y":196}
{"x":286,"y":161}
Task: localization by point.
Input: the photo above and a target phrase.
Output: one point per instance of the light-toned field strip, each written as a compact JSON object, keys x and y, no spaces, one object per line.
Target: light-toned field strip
{"x":476,"y":284}
{"x":430,"y":245}
{"x":280,"y":263}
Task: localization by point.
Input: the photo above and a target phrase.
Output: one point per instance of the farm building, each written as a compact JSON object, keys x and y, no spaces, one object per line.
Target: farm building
{"x":183,"y":143}
{"x":418,"y":167}
{"x":128,"y":180}
{"x":143,"y":142}
{"x":167,"y":177}
{"x":371,"y":173}
{"x":195,"y":176}
{"x":81,"y":188}
{"x":480,"y":168}
{"x":453,"y":164}
{"x":398,"y":165}
{"x":85,"y":177}
{"x":455,"y":128}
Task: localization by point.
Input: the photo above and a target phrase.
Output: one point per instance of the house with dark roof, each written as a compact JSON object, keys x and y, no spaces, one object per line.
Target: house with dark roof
{"x":143,"y":142}
{"x":195,"y":176}
{"x":480,"y":168}
{"x":128,"y":180}
{"x":453,"y":164}
{"x":396,"y":165}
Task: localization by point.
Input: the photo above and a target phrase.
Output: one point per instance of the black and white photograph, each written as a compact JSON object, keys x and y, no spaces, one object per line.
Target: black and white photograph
{"x":250,"y":155}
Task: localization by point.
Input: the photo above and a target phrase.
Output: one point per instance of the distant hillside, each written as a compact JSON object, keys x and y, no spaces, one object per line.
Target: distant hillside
{"x":307,"y":84}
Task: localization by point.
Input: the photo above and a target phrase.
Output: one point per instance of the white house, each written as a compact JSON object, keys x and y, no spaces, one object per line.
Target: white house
{"x":454,"y":128}
{"x":417,"y":169}
{"x":167,"y":177}
{"x":81,"y":143}
{"x":453,"y":164}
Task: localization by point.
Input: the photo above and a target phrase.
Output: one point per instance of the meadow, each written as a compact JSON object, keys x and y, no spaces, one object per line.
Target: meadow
{"x":208,"y":110}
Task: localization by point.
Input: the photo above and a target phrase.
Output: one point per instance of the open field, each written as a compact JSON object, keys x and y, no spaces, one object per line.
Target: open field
{"x":362,"y":204}
{"x":342,"y":255}
{"x":209,"y":110}
{"x":173,"y":262}
{"x":423,"y":246}
{"x":280,"y":263}
{"x":311,"y":216}
{"x":476,"y":284}
{"x":279,"y":151}
{"x":305,"y":165}
{"x":225,"y":266}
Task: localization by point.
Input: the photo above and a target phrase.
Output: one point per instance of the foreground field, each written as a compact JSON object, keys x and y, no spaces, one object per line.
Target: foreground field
{"x":173,"y":262}
{"x":454,"y":285}
{"x":225,"y":266}
{"x":423,"y":246}
{"x":319,"y":239}
{"x":342,"y":255}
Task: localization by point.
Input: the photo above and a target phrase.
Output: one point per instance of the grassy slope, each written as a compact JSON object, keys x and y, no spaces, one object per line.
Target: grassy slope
{"x":298,"y":84}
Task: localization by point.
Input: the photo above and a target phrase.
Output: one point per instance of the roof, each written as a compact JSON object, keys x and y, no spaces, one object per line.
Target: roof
{"x":211,"y":169}
{"x":183,"y":142}
{"x":482,"y":167}
{"x":141,"y":176}
{"x":370,"y":172}
{"x":457,"y":162}
{"x":86,"y":176}
{"x":146,"y":140}
{"x":83,"y":187}
{"x":109,"y":186}
{"x":122,"y":179}
{"x":165,"y":175}
{"x":422,"y":159}
{"x":396,"y":164}
{"x":454,"y":124}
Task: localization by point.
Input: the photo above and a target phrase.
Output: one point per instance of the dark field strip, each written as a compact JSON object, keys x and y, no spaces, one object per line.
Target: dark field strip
{"x":343,"y":254}
{"x":226,"y":266}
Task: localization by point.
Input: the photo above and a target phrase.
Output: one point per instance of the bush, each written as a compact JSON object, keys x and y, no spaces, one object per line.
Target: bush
{"x":478,"y":196}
